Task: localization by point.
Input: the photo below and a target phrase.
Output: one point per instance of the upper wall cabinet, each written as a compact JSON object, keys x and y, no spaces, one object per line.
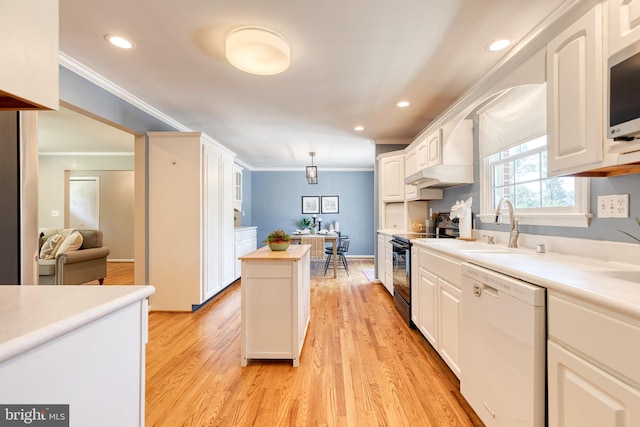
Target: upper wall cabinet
{"x":427,"y":152}
{"x":29,"y":46}
{"x":411,"y":161}
{"x":575,"y":96}
{"x":237,"y":187}
{"x":392,"y":178}
{"x":624,"y":24}
{"x":433,"y":150}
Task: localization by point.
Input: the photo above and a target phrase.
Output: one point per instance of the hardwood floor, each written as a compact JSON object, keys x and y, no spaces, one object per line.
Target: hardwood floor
{"x":360,"y":366}
{"x":118,"y":273}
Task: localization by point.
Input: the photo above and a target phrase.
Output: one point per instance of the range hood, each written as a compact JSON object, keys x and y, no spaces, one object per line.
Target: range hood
{"x":449,"y":157}
{"x":441,"y":176}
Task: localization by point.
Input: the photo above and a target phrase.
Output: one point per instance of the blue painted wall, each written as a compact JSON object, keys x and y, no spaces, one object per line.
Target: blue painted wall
{"x":276,"y":202}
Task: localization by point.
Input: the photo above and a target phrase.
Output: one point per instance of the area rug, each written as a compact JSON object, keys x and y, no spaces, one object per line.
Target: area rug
{"x":369,"y":274}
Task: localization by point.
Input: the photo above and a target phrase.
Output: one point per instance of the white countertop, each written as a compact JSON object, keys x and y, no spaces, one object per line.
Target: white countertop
{"x":34,"y":315}
{"x":609,"y":284}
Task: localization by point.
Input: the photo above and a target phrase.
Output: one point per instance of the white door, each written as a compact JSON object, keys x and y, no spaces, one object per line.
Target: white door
{"x":84,"y":198}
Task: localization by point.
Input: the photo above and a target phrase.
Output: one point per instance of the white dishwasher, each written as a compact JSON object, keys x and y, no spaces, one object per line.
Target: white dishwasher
{"x":503,"y":348}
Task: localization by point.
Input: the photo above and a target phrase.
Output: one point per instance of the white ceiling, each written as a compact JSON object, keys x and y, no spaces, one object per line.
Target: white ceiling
{"x":352,"y":61}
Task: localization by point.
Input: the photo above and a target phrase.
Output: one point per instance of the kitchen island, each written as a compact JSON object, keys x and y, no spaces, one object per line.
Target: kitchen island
{"x":276,"y":303}
{"x":82,"y":346}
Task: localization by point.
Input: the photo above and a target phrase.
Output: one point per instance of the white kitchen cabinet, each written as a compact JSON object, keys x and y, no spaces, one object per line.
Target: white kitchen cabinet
{"x":624,"y":24}
{"x":427,"y":306}
{"x":245,"y":241}
{"x":422,"y":156}
{"x":411,"y":162}
{"x":83,"y":346}
{"x":449,"y":303}
{"x":434,"y":148}
{"x":392,"y":177}
{"x":29,"y":46}
{"x":237,"y":187}
{"x":575,"y":96}
{"x":436,"y":308}
{"x":381,"y":258}
{"x":191,"y":241}
{"x":593,"y":374}
{"x":388,"y":264}
{"x":276,"y":303}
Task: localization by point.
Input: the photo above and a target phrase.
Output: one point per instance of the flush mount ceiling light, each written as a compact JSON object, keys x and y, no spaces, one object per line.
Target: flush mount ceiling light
{"x":499,"y":45}
{"x":118,"y":41}
{"x":403,"y":104}
{"x":258,"y":51}
{"x":312,"y":171}
{"x":358,"y":128}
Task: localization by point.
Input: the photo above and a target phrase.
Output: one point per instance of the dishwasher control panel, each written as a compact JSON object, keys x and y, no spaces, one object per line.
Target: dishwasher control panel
{"x":489,"y":279}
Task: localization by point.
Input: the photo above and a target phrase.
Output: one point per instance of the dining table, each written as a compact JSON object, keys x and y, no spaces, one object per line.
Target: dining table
{"x":296,"y":238}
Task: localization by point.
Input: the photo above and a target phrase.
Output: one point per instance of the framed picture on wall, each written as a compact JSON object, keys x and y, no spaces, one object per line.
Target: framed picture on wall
{"x":310,"y":204}
{"x":330,"y":204}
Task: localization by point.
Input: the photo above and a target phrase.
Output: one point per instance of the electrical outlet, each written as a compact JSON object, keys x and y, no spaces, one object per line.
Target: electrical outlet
{"x":613,"y":206}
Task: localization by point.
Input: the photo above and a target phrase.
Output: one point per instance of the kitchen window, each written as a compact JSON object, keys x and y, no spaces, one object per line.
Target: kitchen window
{"x":513,"y":163}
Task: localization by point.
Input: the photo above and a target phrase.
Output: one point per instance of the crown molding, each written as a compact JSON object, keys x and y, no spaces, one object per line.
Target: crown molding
{"x":87,"y":73}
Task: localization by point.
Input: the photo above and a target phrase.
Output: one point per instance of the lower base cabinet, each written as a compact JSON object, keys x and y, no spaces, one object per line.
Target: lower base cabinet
{"x":436,"y":295}
{"x":592,"y":358}
{"x":97,"y":367}
{"x":581,"y":394}
{"x":449,"y":298}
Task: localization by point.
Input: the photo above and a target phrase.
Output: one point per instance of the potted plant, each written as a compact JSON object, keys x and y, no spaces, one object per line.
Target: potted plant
{"x":305,"y":223}
{"x":278,"y":240}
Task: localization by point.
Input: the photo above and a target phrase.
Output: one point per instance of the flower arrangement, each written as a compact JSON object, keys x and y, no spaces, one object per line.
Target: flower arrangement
{"x":277,"y":236}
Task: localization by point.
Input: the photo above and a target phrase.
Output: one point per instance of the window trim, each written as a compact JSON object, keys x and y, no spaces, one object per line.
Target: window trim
{"x":577,"y":216}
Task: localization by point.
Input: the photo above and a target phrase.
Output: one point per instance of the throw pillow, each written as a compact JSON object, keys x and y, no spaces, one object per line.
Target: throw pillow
{"x":50,"y":247}
{"x":71,"y":243}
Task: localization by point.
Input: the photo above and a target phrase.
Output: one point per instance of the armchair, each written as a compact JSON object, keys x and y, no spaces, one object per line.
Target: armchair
{"x":75,"y":267}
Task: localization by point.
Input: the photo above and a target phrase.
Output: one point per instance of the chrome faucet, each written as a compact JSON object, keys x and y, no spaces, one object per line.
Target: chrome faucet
{"x":514,"y":233}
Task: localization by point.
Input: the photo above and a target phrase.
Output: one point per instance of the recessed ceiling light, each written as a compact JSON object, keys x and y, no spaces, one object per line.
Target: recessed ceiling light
{"x":499,"y":45}
{"x":358,"y":128}
{"x":403,"y":104}
{"x":118,"y":41}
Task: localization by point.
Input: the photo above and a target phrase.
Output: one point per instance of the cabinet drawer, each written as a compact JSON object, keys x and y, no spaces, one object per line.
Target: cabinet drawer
{"x":603,"y":336}
{"x":268,"y":270}
{"x":245,"y":234}
{"x":446,"y":268}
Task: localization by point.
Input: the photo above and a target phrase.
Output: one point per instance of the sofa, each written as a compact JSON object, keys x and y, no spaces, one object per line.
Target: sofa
{"x":71,"y":257}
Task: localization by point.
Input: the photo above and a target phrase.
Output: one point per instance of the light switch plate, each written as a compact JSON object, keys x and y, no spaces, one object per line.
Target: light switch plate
{"x":613,"y":206}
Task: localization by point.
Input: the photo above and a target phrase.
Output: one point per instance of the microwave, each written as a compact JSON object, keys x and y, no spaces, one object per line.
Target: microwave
{"x":624,"y":95}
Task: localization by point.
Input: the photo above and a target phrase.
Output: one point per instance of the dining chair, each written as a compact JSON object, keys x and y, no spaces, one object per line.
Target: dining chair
{"x":341,"y":251}
{"x":317,"y":246}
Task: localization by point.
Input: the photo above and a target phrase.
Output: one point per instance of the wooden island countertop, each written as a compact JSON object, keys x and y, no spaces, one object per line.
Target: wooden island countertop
{"x":293,"y":252}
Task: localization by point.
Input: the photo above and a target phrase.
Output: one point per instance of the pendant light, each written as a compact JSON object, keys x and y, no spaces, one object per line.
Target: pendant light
{"x":312,"y":171}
